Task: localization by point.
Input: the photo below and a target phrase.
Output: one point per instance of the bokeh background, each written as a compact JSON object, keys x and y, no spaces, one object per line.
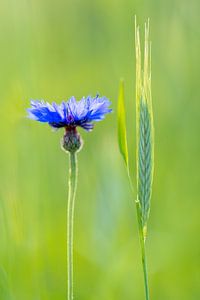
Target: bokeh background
{"x":56,"y":49}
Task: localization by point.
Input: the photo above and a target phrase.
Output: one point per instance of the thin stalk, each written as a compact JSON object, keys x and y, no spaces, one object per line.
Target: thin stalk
{"x":143,"y":250}
{"x":142,"y":239}
{"x":70,"y":220}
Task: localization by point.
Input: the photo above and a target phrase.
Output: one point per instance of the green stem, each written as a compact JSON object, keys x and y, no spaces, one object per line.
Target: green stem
{"x":142,"y":239}
{"x":143,"y":250}
{"x":70,"y":220}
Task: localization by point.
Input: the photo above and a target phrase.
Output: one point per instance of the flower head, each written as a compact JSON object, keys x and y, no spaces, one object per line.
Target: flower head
{"x":72,"y":113}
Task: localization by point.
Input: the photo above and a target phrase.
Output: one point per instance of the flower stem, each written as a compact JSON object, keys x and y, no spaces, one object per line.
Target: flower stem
{"x":143,"y":250}
{"x":70,"y":220}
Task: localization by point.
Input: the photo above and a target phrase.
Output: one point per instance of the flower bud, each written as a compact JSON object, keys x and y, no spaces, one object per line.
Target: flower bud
{"x":71,"y":141}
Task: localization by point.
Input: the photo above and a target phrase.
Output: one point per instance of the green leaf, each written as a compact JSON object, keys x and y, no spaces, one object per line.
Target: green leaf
{"x":122,"y":139}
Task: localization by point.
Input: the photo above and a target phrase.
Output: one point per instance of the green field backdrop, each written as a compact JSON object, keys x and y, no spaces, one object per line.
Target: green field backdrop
{"x":55,"y":49}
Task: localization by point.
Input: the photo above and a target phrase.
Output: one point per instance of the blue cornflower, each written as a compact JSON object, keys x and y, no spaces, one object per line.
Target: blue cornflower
{"x":71,"y":113}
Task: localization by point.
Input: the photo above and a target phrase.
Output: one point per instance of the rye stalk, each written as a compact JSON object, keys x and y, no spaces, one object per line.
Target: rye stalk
{"x":144,"y":142}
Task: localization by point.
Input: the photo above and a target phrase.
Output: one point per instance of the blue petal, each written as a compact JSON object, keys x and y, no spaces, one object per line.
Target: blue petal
{"x":71,"y":113}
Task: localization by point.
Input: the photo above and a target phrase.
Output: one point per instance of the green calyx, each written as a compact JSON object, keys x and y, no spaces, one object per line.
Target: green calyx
{"x":71,"y":141}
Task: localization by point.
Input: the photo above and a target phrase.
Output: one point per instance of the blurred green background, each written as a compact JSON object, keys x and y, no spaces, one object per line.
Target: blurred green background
{"x":56,"y":49}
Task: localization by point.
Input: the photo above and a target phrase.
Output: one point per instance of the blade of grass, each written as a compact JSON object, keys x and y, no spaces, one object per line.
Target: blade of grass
{"x":122,"y":136}
{"x":144,"y":143}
